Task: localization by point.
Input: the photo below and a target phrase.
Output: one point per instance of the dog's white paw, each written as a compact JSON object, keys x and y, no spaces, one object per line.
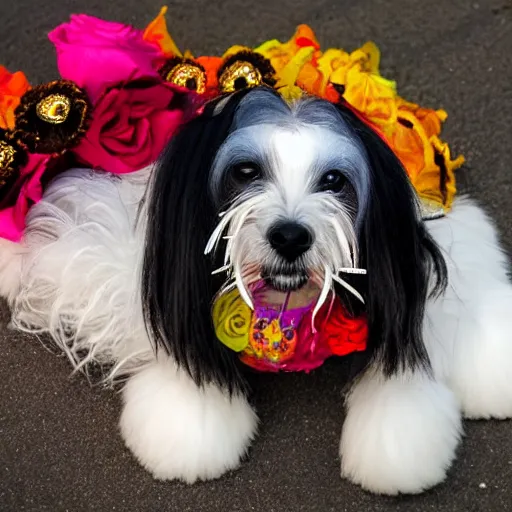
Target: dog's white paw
{"x":400,"y":434}
{"x":482,"y":375}
{"x":178,"y":431}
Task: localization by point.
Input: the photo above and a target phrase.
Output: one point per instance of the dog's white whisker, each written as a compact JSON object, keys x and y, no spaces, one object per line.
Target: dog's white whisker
{"x":221,"y":269}
{"x":236,"y":231}
{"x":226,"y":217}
{"x":348,"y":287}
{"x":345,"y":245}
{"x":323,"y":294}
{"x":217,"y":232}
{"x":244,"y":293}
{"x":227,"y":288}
{"x":350,"y":270}
{"x":242,"y":208}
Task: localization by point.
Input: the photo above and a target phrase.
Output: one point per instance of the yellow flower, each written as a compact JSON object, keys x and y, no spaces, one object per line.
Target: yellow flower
{"x":372,"y":95}
{"x":232,"y":320}
{"x":280,"y":54}
{"x":290,"y":61}
{"x":334,"y":64}
{"x":365,"y":89}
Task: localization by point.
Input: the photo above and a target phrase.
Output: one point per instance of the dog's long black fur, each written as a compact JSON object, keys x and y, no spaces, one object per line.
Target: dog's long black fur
{"x":404,"y":265}
{"x":177,"y":286}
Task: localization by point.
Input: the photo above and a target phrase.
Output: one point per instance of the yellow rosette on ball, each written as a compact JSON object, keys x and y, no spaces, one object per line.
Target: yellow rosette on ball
{"x":232,"y":320}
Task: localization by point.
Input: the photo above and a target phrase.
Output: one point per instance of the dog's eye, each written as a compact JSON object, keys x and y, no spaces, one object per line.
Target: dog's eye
{"x":245,"y":172}
{"x":332,"y":181}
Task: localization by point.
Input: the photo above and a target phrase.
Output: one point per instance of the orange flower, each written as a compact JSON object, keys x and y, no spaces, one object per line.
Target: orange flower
{"x":12,"y":87}
{"x":211,"y":66}
{"x":156,"y":32}
{"x":427,"y":160}
{"x":311,"y":79}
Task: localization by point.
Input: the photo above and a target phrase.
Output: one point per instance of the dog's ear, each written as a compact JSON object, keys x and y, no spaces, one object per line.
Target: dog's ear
{"x":177,"y":285}
{"x":403,"y":262}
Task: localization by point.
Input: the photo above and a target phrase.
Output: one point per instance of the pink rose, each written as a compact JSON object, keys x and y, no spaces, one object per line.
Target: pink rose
{"x":96,"y":54}
{"x":26,"y":191}
{"x":132,"y":123}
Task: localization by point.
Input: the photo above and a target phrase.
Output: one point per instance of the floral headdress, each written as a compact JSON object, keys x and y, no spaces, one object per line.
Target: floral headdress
{"x":124,"y":91}
{"x":300,"y":66}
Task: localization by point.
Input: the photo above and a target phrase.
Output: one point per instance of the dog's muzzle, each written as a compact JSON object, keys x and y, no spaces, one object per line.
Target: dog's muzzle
{"x":290,"y":240}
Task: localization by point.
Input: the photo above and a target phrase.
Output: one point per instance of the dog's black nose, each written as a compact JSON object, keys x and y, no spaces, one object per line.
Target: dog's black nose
{"x":290,"y":239}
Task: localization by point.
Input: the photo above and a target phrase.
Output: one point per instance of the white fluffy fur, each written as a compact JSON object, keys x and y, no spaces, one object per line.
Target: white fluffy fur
{"x":76,"y":276}
{"x":400,"y":434}
{"x":11,"y":255}
{"x":81,"y":273}
{"x":469,"y":330}
{"x":179,"y":431}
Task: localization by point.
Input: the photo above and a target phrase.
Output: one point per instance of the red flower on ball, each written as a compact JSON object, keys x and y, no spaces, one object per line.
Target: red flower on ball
{"x":341,"y":332}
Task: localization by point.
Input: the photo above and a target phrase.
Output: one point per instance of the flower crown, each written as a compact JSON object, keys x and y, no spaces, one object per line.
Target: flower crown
{"x":123,"y":92}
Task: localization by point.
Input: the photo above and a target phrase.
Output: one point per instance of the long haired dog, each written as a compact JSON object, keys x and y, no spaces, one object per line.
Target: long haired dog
{"x":119,"y":270}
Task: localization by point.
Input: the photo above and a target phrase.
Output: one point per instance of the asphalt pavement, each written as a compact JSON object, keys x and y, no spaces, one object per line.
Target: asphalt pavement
{"x":59,"y":445}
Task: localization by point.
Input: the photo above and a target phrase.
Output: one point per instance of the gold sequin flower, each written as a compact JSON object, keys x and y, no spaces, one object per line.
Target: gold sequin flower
{"x":184,"y":73}
{"x":245,"y":69}
{"x":52,"y":118}
{"x":12,"y":157}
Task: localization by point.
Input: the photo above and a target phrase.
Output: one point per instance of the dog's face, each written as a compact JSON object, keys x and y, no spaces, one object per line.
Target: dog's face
{"x":291,"y":184}
{"x":290,"y":194}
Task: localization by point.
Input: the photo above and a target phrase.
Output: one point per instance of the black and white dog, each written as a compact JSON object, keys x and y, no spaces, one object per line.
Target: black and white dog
{"x":114,"y":268}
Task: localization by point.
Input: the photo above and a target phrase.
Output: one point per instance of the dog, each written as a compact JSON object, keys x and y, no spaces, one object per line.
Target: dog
{"x":114,"y":268}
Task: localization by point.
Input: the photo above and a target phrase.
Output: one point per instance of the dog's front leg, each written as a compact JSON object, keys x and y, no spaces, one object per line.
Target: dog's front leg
{"x":400,"y":432}
{"x":178,"y":430}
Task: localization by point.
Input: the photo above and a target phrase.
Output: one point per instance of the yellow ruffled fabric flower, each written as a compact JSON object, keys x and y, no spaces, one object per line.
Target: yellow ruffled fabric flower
{"x":232,"y":320}
{"x":294,"y":62}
